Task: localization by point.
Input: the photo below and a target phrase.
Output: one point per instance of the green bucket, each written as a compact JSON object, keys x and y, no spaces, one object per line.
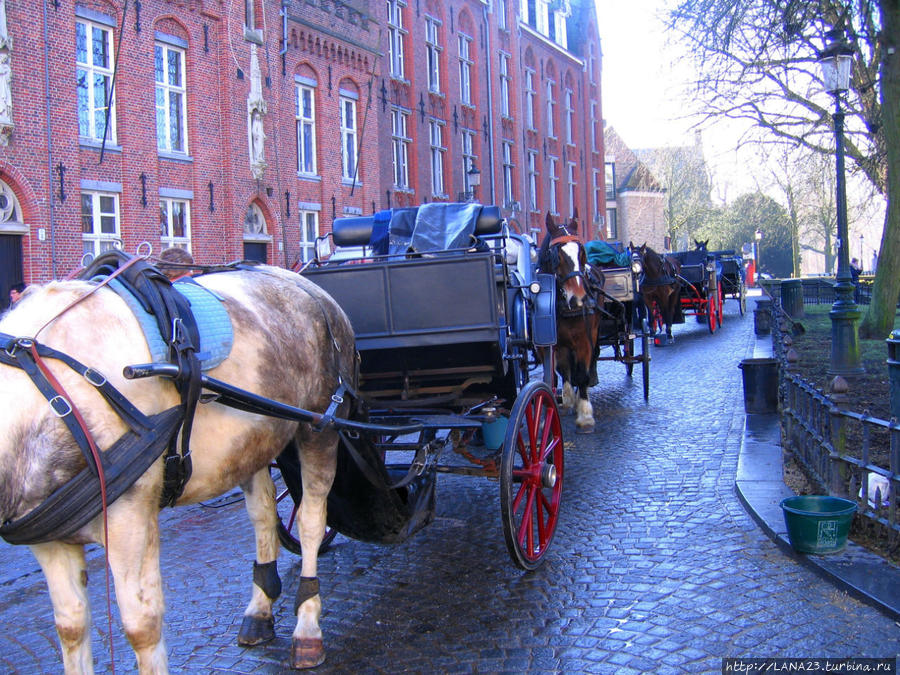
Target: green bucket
{"x":818,"y":523}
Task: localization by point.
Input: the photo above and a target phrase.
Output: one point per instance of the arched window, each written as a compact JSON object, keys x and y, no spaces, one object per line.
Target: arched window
{"x":10,"y":212}
{"x":255,"y":224}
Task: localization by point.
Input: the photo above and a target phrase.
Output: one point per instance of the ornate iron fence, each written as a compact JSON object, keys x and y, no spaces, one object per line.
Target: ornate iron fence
{"x":847,"y":454}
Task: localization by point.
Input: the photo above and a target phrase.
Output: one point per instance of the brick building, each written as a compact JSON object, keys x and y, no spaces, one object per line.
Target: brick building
{"x":242,"y":129}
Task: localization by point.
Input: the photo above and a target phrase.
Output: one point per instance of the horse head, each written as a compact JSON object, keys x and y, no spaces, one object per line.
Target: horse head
{"x":563,"y":254}
{"x":701,"y":245}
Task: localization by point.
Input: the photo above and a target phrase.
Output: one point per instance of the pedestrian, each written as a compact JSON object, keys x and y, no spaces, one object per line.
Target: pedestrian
{"x":874,"y":266}
{"x":175,"y":262}
{"x":15,"y":292}
{"x":855,"y":271}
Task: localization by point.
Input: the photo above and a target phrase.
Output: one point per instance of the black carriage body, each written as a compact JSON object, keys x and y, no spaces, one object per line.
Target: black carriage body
{"x":426,"y":327}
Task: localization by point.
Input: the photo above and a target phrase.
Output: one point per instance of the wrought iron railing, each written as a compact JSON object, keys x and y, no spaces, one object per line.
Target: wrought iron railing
{"x":836,"y":447}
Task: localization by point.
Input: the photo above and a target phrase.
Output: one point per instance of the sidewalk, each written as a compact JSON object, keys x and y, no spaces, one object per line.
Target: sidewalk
{"x":760,"y":488}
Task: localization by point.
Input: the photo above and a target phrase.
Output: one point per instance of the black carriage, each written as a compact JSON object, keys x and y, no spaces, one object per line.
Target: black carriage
{"x":447,"y":312}
{"x":731,"y":277}
{"x":622,"y":321}
{"x":700,"y":287}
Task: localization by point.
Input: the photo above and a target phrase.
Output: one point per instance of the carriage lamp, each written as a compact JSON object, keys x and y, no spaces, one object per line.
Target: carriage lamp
{"x":474,"y":176}
{"x":836,"y":61}
{"x":535,"y":287}
{"x":636,"y":267}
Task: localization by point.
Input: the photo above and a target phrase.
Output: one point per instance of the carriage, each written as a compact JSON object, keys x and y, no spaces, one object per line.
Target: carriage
{"x":701,"y":286}
{"x":622,"y":321}
{"x":447,"y":311}
{"x":731,"y":277}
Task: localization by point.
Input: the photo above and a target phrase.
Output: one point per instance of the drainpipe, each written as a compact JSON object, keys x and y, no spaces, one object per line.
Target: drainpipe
{"x":49,"y":146}
{"x":490,"y":87}
{"x":284,"y":31}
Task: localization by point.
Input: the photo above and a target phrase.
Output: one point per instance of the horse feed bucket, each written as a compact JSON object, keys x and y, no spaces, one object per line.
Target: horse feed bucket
{"x":760,"y":385}
{"x":817,"y":523}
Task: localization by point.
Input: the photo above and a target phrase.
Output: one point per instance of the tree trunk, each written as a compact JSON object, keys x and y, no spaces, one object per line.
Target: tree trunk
{"x":879,"y":320}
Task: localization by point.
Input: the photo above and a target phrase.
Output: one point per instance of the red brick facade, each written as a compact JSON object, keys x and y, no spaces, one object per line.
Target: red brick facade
{"x":205,"y":173}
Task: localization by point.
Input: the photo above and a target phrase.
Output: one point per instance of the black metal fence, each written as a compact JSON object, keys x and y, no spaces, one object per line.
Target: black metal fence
{"x":820,"y":290}
{"x":847,"y":454}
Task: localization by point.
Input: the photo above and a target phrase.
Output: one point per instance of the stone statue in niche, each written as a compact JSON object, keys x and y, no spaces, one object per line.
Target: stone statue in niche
{"x":5,"y":39}
{"x":5,"y":88}
{"x":256,"y":108}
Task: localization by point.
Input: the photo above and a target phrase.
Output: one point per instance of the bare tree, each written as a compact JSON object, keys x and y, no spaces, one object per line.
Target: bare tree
{"x":757,"y":62}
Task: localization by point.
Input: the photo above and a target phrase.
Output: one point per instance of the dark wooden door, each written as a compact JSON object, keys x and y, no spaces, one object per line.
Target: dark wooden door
{"x":255,"y":251}
{"x":10,"y":264}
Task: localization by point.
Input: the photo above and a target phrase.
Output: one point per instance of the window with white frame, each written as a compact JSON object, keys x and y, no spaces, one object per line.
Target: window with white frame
{"x":530,"y":96}
{"x":465,"y":69}
{"x":433,"y":53}
{"x":306,"y":130}
{"x":596,"y":192}
{"x":570,"y":115}
{"x":309,"y":230}
{"x":500,"y":8}
{"x":348,"y":138}
{"x":400,"y":148}
{"x":610,"y":171}
{"x":504,"y":84}
{"x":468,"y":153}
{"x":542,"y":18}
{"x":551,"y":105}
{"x":524,"y":11}
{"x":594,"y":127}
{"x":570,"y":179}
{"x":436,"y":130}
{"x":558,"y":18}
{"x":553,"y":169}
{"x":612,"y":224}
{"x":99,"y":222}
{"x":396,"y":36}
{"x":171,"y":125}
{"x":532,"y":180}
{"x":93,"y":78}
{"x":175,"y":223}
{"x":508,"y":196}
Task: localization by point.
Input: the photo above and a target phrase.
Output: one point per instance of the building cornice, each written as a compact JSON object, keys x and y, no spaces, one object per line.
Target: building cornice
{"x":550,"y":43}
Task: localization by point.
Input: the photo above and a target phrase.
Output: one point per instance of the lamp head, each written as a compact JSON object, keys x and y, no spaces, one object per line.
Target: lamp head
{"x":835,"y":61}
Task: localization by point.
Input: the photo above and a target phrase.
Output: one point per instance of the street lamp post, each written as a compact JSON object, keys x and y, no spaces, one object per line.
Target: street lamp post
{"x":835,"y":61}
{"x":473,"y":180}
{"x":757,"y":237}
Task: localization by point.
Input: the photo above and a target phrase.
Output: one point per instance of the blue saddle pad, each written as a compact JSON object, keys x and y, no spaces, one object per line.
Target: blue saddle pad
{"x":213,"y":322}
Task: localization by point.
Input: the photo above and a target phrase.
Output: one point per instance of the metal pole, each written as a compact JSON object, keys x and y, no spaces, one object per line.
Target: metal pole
{"x":845,"y":358}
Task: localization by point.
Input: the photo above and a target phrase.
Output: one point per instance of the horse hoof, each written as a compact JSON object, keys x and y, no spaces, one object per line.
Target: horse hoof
{"x":255,"y":630}
{"x":584,"y":429}
{"x":307,"y":653}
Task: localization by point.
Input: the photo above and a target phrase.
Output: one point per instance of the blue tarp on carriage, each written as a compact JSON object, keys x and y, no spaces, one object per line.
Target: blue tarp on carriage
{"x":601,"y":254}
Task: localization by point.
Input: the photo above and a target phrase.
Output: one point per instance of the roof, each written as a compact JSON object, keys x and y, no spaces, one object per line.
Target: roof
{"x":632,"y":175}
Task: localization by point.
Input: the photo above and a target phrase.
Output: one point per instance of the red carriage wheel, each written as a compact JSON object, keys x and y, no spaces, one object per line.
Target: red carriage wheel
{"x":286,"y":506}
{"x":531,"y":475}
{"x":711,"y":312}
{"x":721,"y":301}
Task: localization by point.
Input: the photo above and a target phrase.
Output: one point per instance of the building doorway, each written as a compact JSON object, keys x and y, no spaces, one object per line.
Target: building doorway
{"x":10,"y":265}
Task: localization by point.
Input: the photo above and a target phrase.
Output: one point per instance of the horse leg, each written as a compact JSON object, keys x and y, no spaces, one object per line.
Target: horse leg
{"x":318,"y":459}
{"x":258,"y":625}
{"x":134,"y":560}
{"x":64,"y":569}
{"x":584,"y":413}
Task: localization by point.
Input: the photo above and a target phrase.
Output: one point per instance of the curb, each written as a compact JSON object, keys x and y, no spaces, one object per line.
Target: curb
{"x":760,"y":488}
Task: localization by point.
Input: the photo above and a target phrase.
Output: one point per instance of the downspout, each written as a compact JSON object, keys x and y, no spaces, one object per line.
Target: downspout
{"x":49,"y":146}
{"x":490,"y":87}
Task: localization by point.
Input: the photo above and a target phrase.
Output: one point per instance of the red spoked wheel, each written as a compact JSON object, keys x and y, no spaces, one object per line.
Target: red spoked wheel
{"x":721,"y":301}
{"x":531,"y":475}
{"x":711,"y":313}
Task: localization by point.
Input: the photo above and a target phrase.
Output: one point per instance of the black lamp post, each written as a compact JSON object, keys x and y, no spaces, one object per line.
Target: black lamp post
{"x":835,"y":61}
{"x":757,"y":237}
{"x":473,"y":180}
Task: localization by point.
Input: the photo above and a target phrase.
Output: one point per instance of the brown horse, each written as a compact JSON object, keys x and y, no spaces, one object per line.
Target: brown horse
{"x":577,"y":319}
{"x":659,"y":288}
{"x":292,"y":343}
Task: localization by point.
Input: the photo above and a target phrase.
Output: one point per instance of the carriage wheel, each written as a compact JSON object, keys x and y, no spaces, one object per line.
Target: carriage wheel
{"x":711,"y":312}
{"x":645,"y":359}
{"x":629,"y":355}
{"x":721,"y":305}
{"x":531,"y":475}
{"x":286,"y":506}
{"x":743,"y":298}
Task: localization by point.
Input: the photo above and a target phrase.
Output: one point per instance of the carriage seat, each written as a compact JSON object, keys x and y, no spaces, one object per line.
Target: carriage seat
{"x":400,"y":222}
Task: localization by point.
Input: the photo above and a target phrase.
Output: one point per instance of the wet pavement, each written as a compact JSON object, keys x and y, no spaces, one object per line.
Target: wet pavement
{"x":656,"y":567}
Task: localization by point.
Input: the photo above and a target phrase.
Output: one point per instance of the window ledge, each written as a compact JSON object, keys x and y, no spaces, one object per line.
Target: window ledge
{"x":507,"y":118}
{"x":400,"y":79}
{"x":437,"y":94}
{"x":440,"y":196}
{"x":404,"y":190}
{"x":470,"y":106}
{"x":176,"y":156}
{"x":312,"y":178}
{"x":91,"y":144}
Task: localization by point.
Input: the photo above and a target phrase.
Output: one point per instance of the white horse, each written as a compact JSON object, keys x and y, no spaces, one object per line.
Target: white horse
{"x":291,"y":344}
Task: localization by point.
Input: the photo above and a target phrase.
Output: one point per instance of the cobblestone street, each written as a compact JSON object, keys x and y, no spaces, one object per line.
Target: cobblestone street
{"x":655,"y":568}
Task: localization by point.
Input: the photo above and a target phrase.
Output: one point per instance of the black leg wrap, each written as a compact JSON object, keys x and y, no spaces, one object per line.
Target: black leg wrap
{"x":309,"y":588}
{"x":266,"y":577}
